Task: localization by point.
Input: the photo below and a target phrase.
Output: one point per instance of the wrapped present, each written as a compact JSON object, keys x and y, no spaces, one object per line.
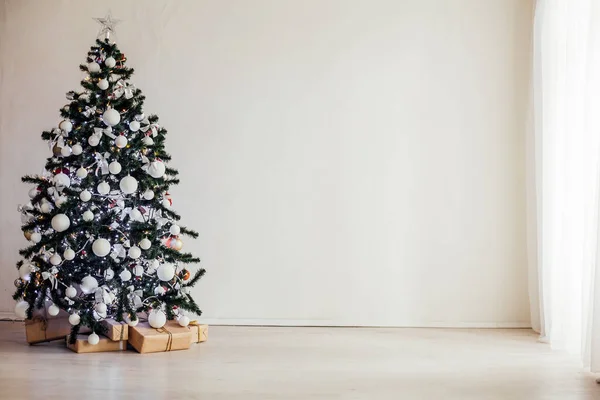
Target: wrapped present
{"x":115,"y":330}
{"x":81,"y":345}
{"x":146,"y":339}
{"x":199,"y":332}
{"x":43,"y":328}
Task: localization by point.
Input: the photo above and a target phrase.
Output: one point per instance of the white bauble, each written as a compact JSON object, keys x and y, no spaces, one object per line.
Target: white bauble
{"x":165,"y":272}
{"x":136,"y":215}
{"x":60,"y":201}
{"x":101,"y":308}
{"x":147,"y":140}
{"x":21,"y":309}
{"x":33,"y":192}
{"x":65,"y":151}
{"x":110,"y":62}
{"x":66,"y":125}
{"x":134,"y":252}
{"x":62,"y":180}
{"x":156,"y":169}
{"x":129,"y":321}
{"x":157,"y":319}
{"x":166,"y":203}
{"x":101,"y":247}
{"x":70,"y":292}
{"x":175,"y":229}
{"x":145,"y":243}
{"x":93,"y":339}
{"x":111,"y":117}
{"x":74,"y":319}
{"x":85,"y":195}
{"x":60,"y":222}
{"x":55,"y":259}
{"x":109,"y":274}
{"x":45,"y":207}
{"x":93,"y":140}
{"x":25,"y":272}
{"x":69,"y":254}
{"x":153,"y":265}
{"x":138,"y":270}
{"x":93,"y":67}
{"x":128,"y":184}
{"x":53,"y":310}
{"x":88,"y":215}
{"x":103,"y":188}
{"x":36,"y":237}
{"x":76,"y":149}
{"x":184,"y":321}
{"x":125,"y":275}
{"x":82,"y":172}
{"x":139,"y":117}
{"x":102,"y":84}
{"x":148,"y":194}
{"x":114,"y":167}
{"x":121,"y":141}
{"x":88,"y":284}
{"x":134,"y":126}
{"x":159,"y":290}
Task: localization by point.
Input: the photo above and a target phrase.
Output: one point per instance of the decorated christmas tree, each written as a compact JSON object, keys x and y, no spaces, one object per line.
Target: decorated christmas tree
{"x":105,"y":241}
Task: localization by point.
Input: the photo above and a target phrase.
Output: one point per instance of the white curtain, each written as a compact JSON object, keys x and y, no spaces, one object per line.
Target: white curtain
{"x":564,"y":167}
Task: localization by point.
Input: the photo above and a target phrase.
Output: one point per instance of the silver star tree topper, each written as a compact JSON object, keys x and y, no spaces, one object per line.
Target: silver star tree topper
{"x":108,"y":25}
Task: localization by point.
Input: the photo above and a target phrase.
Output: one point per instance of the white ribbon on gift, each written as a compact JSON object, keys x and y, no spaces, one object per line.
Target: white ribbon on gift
{"x":89,"y":111}
{"x":102,"y":162}
{"x":123,"y":88}
{"x":50,"y":275}
{"x":147,"y":126}
{"x":98,"y":132}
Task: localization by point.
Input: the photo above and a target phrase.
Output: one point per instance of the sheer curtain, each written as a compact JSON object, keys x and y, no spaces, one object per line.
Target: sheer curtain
{"x":564,"y":167}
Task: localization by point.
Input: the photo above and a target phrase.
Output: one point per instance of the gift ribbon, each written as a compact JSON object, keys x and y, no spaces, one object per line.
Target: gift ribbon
{"x":153,"y":128}
{"x":104,"y":131}
{"x":102,"y":162}
{"x":122,"y":332}
{"x":89,"y":111}
{"x":121,"y":88}
{"x":169,"y":340}
{"x":196,"y":323}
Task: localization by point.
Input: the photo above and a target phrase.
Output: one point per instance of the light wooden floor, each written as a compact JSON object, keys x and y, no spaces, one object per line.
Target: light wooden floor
{"x":302,"y":363}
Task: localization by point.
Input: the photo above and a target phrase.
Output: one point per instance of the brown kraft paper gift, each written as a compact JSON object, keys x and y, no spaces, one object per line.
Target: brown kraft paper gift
{"x":43,"y":328}
{"x":115,"y":330}
{"x":81,"y":345}
{"x":146,"y":339}
{"x":199,"y":332}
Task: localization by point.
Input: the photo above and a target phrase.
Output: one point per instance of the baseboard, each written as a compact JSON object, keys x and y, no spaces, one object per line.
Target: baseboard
{"x":4,"y":315}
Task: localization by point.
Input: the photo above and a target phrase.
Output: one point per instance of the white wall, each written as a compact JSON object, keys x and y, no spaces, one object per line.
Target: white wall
{"x":345,"y":161}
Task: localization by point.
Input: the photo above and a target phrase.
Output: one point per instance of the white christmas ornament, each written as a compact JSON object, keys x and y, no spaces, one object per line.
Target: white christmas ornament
{"x":71,"y":292}
{"x":136,"y":215}
{"x":53,"y":310}
{"x":157,"y":319}
{"x":134,"y":252}
{"x":148,"y":194}
{"x":93,"y":67}
{"x":166,"y":203}
{"x":103,"y":188}
{"x":129,"y":321}
{"x":25,"y":271}
{"x":33,"y":192}
{"x":76,"y":149}
{"x":85,"y":195}
{"x":21,"y":309}
{"x":138,"y":270}
{"x":165,"y":272}
{"x":184,"y":321}
{"x":66,"y":125}
{"x":88,"y":215}
{"x":175,"y":229}
{"x":81,"y":172}
{"x":145,"y":244}
{"x":65,"y":151}
{"x":134,"y":126}
{"x":159,"y":290}
{"x":60,"y":222}
{"x":101,"y":247}
{"x":69,"y":254}
{"x":153,"y":265}
{"x":74,"y":319}
{"x":109,"y":274}
{"x":93,"y":339}
{"x":88,"y":284}
{"x":125,"y":275}
{"x":121,"y":141}
{"x":156,"y":169}
{"x":36,"y":237}
{"x":62,"y":180}
{"x":93,"y":140}
{"x":147,"y":140}
{"x":45,"y":207}
{"x":111,"y":117}
{"x":114,"y":167}
{"x":55,"y":259}
{"x":102,"y":84}
{"x":110,"y":62}
{"x":128,"y":184}
{"x":101,"y":308}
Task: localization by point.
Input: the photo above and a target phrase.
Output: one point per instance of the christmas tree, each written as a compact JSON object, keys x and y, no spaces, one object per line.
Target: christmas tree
{"x":105,"y":242}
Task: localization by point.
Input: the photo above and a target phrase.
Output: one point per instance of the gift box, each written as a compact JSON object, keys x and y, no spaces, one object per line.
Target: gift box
{"x":81,"y":345}
{"x":43,"y":328}
{"x":199,"y":332}
{"x":115,"y":330}
{"x":146,"y":339}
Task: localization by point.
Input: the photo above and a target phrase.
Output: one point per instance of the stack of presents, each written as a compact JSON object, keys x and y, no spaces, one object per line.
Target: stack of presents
{"x":116,"y":336}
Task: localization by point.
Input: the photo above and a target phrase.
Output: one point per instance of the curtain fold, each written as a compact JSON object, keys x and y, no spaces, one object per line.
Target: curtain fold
{"x":563,"y":148}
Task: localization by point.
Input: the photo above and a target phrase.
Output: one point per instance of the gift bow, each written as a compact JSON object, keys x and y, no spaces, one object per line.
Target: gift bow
{"x":59,"y":139}
{"x":98,"y":132}
{"x":89,"y":111}
{"x":153,"y":128}
{"x":102,"y":162}
{"x":118,"y":251}
{"x":51,"y":276}
{"x":122,"y":88}
{"x":135,"y":297}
